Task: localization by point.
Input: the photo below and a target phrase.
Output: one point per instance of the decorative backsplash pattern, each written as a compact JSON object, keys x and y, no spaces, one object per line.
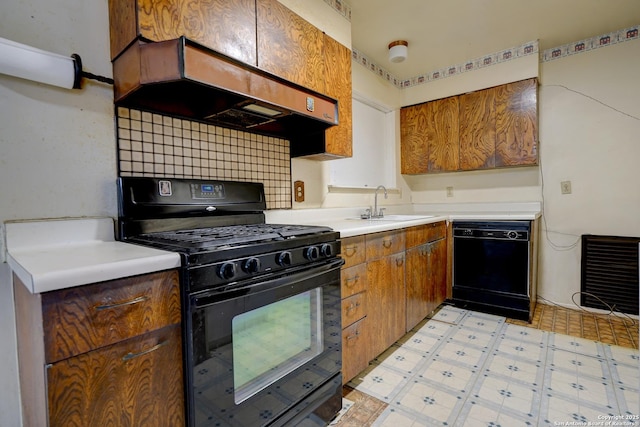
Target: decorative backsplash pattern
{"x":156,"y":145}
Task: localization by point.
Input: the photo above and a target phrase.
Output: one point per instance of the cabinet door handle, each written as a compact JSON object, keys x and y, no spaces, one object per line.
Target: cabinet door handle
{"x":350,"y":250}
{"x":130,"y":356}
{"x":387,"y":242}
{"x":352,"y":280}
{"x":353,"y":307}
{"x":354,"y":336}
{"x":122,"y":304}
{"x":399,"y":261}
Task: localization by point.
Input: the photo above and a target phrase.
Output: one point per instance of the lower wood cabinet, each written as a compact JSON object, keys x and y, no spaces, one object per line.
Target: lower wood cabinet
{"x":390,"y":282}
{"x":102,"y":354}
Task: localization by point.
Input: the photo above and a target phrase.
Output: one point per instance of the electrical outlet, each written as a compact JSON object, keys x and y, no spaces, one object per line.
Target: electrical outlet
{"x":449,"y":191}
{"x":298,"y":191}
{"x":565,"y":187}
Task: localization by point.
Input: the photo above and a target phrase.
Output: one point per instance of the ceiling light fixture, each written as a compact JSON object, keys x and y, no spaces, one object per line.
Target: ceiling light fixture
{"x":398,"y":50}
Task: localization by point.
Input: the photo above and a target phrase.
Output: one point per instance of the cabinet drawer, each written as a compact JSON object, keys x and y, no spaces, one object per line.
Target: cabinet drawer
{"x":422,"y":234}
{"x":84,"y":318}
{"x":353,"y":250}
{"x":354,"y":350}
{"x":385,"y":243}
{"x":354,"y":280}
{"x":354,"y":308}
{"x":133,"y":382}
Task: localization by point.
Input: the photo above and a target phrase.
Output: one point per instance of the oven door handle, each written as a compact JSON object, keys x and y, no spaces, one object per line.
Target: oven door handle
{"x":240,"y":289}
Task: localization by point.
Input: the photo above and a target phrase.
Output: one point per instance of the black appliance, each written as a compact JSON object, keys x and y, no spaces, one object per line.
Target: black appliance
{"x":260,"y":302}
{"x":491,"y":268}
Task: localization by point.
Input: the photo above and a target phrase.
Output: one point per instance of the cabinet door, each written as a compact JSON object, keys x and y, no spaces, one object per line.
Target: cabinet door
{"x":442,"y":135}
{"x":355,"y":350}
{"x":477,"y":130}
{"x":289,"y":46}
{"x":437,"y":276}
{"x":337,"y":74}
{"x":386,"y":309}
{"x":133,"y":383}
{"x":517,"y":123}
{"x":226,"y":26}
{"x":419,"y":294}
{"x":414,"y":146}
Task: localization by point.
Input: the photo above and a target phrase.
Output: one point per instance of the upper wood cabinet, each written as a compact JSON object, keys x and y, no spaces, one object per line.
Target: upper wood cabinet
{"x":338,"y":85}
{"x":517,"y":123}
{"x":289,"y":46}
{"x":226,"y":26}
{"x":489,"y":128}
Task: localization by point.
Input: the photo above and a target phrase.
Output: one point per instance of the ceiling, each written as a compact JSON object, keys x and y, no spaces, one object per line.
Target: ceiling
{"x":449,"y":32}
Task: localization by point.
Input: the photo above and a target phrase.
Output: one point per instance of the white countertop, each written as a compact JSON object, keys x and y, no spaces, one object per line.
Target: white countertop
{"x":58,"y":254}
{"x":55,"y":254}
{"x":343,"y":219}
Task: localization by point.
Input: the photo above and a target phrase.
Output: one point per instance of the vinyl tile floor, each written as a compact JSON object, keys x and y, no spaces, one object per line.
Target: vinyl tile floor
{"x":462,"y":368}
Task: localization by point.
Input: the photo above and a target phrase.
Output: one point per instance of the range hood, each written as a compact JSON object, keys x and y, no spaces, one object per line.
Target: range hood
{"x":182,"y":78}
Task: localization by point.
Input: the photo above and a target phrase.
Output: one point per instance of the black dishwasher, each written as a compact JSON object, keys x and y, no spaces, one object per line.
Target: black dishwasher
{"x":491,"y":268}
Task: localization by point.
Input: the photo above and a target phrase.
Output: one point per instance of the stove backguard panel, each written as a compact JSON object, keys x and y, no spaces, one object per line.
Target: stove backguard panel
{"x":157,"y":145}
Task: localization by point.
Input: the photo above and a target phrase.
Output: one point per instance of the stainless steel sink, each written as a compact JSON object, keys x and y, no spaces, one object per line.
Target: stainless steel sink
{"x":395,"y":218}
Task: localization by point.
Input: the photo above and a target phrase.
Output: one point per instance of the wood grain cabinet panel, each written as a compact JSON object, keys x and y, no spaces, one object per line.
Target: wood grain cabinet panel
{"x":132,"y":383}
{"x":517,"y":123}
{"x":353,"y":251}
{"x":84,"y":318}
{"x":414,"y":147}
{"x":289,"y":46}
{"x":354,"y":308}
{"x":442,"y":135}
{"x":384,"y":244}
{"x":226,"y":26}
{"x":353,"y":280}
{"x":102,"y":354}
{"x":337,"y":85}
{"x":477,"y":130}
{"x":355,"y":357}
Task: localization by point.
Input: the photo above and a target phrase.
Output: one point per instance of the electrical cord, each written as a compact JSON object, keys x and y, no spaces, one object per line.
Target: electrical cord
{"x":611,"y":314}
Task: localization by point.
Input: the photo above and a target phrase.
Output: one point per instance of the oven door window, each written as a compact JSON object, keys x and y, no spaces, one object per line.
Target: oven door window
{"x":272,"y":341}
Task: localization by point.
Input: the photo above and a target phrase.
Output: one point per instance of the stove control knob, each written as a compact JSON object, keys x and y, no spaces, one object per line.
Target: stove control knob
{"x":227,"y":270}
{"x":251,"y":265}
{"x":284,"y":258}
{"x":326,"y":250}
{"x":311,"y":253}
{"x":512,"y":235}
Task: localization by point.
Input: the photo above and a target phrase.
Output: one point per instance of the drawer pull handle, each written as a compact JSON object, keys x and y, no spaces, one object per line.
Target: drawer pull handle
{"x":387,"y":243}
{"x":122,"y":304}
{"x":351,"y":337}
{"x":350,"y":250}
{"x":352,"y":280}
{"x":399,"y":261}
{"x":130,"y":356}
{"x":353,"y":307}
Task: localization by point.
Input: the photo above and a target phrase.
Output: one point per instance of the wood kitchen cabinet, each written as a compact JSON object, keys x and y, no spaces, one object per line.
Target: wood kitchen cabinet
{"x":354,"y":308}
{"x":426,"y":270}
{"x":386,"y":289}
{"x":226,"y":26}
{"x":490,"y":128}
{"x":289,"y":46}
{"x":102,"y":354}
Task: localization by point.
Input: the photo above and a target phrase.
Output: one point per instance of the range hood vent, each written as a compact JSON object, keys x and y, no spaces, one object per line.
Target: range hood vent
{"x":182,"y":78}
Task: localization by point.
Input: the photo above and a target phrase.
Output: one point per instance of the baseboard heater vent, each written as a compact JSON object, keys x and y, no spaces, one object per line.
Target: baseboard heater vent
{"x":610,"y":272}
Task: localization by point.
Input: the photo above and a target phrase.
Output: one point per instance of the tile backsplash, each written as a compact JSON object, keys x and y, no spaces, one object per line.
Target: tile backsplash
{"x":157,"y":145}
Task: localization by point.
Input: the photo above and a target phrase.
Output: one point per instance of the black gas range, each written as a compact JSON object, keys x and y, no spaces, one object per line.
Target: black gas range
{"x":260,"y":302}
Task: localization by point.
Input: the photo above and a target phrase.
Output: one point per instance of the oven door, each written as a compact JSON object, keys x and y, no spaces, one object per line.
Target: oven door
{"x":267,"y":352}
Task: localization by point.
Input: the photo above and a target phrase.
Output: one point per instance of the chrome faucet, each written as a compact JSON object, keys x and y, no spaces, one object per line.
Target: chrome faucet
{"x":378,"y":213}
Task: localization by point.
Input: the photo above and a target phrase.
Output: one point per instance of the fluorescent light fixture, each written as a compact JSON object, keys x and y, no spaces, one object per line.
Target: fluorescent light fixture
{"x":30,"y":63}
{"x":261,"y":109}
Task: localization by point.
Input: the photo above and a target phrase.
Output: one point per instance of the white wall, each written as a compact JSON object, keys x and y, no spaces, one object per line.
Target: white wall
{"x":588,"y":137}
{"x":57,"y":147}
